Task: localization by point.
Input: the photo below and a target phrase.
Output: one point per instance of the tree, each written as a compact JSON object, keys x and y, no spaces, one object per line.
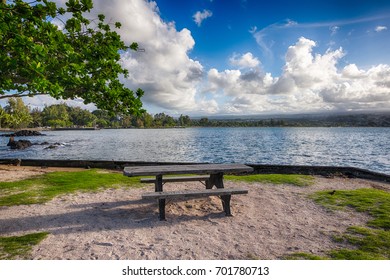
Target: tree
{"x":163,"y":120}
{"x":18,"y":114}
{"x":81,"y":117}
{"x":184,"y":120}
{"x":80,"y":60}
{"x":3,"y":117}
{"x":147,"y":120}
{"x":102,"y":118}
{"x":56,"y":116}
{"x":36,"y":115}
{"x":204,"y":122}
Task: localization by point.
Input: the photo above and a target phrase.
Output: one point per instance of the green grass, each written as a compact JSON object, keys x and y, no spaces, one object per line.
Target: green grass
{"x":374,"y":202}
{"x":371,"y":242}
{"x":43,"y":188}
{"x":303,"y":256}
{"x":292,"y":179}
{"x":19,"y":247}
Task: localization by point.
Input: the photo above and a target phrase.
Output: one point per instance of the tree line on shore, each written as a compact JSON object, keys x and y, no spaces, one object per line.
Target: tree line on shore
{"x":16,"y":115}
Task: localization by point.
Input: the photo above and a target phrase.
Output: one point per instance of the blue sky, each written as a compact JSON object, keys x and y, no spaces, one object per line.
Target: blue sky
{"x":332,"y":24}
{"x":210,"y":57}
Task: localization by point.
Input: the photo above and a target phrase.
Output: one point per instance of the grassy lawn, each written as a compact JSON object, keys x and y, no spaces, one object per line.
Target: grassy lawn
{"x":371,"y":242}
{"x":19,"y":247}
{"x":43,"y":188}
{"x":292,"y":179}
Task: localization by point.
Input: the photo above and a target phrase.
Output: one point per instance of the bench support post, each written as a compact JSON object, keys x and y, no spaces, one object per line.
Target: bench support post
{"x":215,"y":180}
{"x":158,"y":186}
{"x":161,"y":209}
{"x":226,"y":204}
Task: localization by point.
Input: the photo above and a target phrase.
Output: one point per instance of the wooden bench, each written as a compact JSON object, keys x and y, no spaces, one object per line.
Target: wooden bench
{"x":225,"y":195}
{"x":214,"y":171}
{"x":177,"y":179}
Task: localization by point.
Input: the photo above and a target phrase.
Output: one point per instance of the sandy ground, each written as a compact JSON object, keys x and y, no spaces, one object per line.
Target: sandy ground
{"x":268,"y":223}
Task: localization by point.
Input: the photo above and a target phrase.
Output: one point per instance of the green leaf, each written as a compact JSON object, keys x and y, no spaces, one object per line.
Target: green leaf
{"x":79,"y":61}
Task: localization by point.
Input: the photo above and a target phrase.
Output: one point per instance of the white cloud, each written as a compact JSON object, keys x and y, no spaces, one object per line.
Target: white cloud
{"x":199,"y":16}
{"x":245,"y":61}
{"x":169,"y":77}
{"x":164,"y":71}
{"x":310,"y":82}
{"x":380,"y":28}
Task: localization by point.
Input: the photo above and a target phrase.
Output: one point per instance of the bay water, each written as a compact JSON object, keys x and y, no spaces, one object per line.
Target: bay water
{"x":367,"y":148}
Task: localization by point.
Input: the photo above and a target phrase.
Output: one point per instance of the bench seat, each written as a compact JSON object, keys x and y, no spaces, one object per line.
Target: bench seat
{"x":176,"y":179}
{"x":225,"y":195}
{"x":192,"y":193}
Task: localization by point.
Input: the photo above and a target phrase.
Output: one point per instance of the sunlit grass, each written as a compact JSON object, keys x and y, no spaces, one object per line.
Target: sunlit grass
{"x":19,"y":247}
{"x":45,"y":187}
{"x":369,"y":243}
{"x":292,"y":179}
{"x":374,"y":202}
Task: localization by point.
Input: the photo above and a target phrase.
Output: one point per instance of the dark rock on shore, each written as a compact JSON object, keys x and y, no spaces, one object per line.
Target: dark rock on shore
{"x":20,"y":145}
{"x":23,"y":144}
{"x":23,"y":133}
{"x":53,"y":146}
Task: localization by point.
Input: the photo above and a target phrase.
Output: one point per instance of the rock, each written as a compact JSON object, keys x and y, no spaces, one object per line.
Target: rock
{"x":23,"y":133}
{"x":11,"y":141}
{"x":22,"y":144}
{"x":51,"y":147}
{"x":19,"y":145}
{"x":28,"y":133}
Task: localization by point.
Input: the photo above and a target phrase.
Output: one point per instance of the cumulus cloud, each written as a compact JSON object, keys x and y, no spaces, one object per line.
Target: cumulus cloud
{"x":309,"y":82}
{"x":245,"y":61}
{"x":380,"y":28}
{"x":164,"y":70}
{"x":199,"y":16}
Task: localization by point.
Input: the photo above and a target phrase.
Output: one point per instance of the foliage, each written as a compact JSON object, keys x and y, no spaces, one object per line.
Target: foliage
{"x":78,"y":60}
{"x":19,"y":247}
{"x":16,"y":114}
{"x":36,"y":118}
{"x":43,"y":188}
{"x":3,"y":117}
{"x":56,"y":116}
{"x":292,"y":179}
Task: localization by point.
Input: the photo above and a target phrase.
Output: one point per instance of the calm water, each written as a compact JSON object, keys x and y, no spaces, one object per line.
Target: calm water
{"x":367,"y":148}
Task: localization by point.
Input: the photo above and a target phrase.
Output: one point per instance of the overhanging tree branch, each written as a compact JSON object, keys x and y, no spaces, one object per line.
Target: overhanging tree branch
{"x":81,"y":61}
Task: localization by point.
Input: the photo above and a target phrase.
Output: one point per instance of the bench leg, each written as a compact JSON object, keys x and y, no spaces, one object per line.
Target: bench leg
{"x":215,"y":180}
{"x":161,"y":209}
{"x":158,"y":184}
{"x":158,"y":187}
{"x":226,"y":204}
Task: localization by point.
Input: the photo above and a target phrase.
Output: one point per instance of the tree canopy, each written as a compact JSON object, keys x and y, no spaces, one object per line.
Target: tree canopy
{"x":78,"y":60}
